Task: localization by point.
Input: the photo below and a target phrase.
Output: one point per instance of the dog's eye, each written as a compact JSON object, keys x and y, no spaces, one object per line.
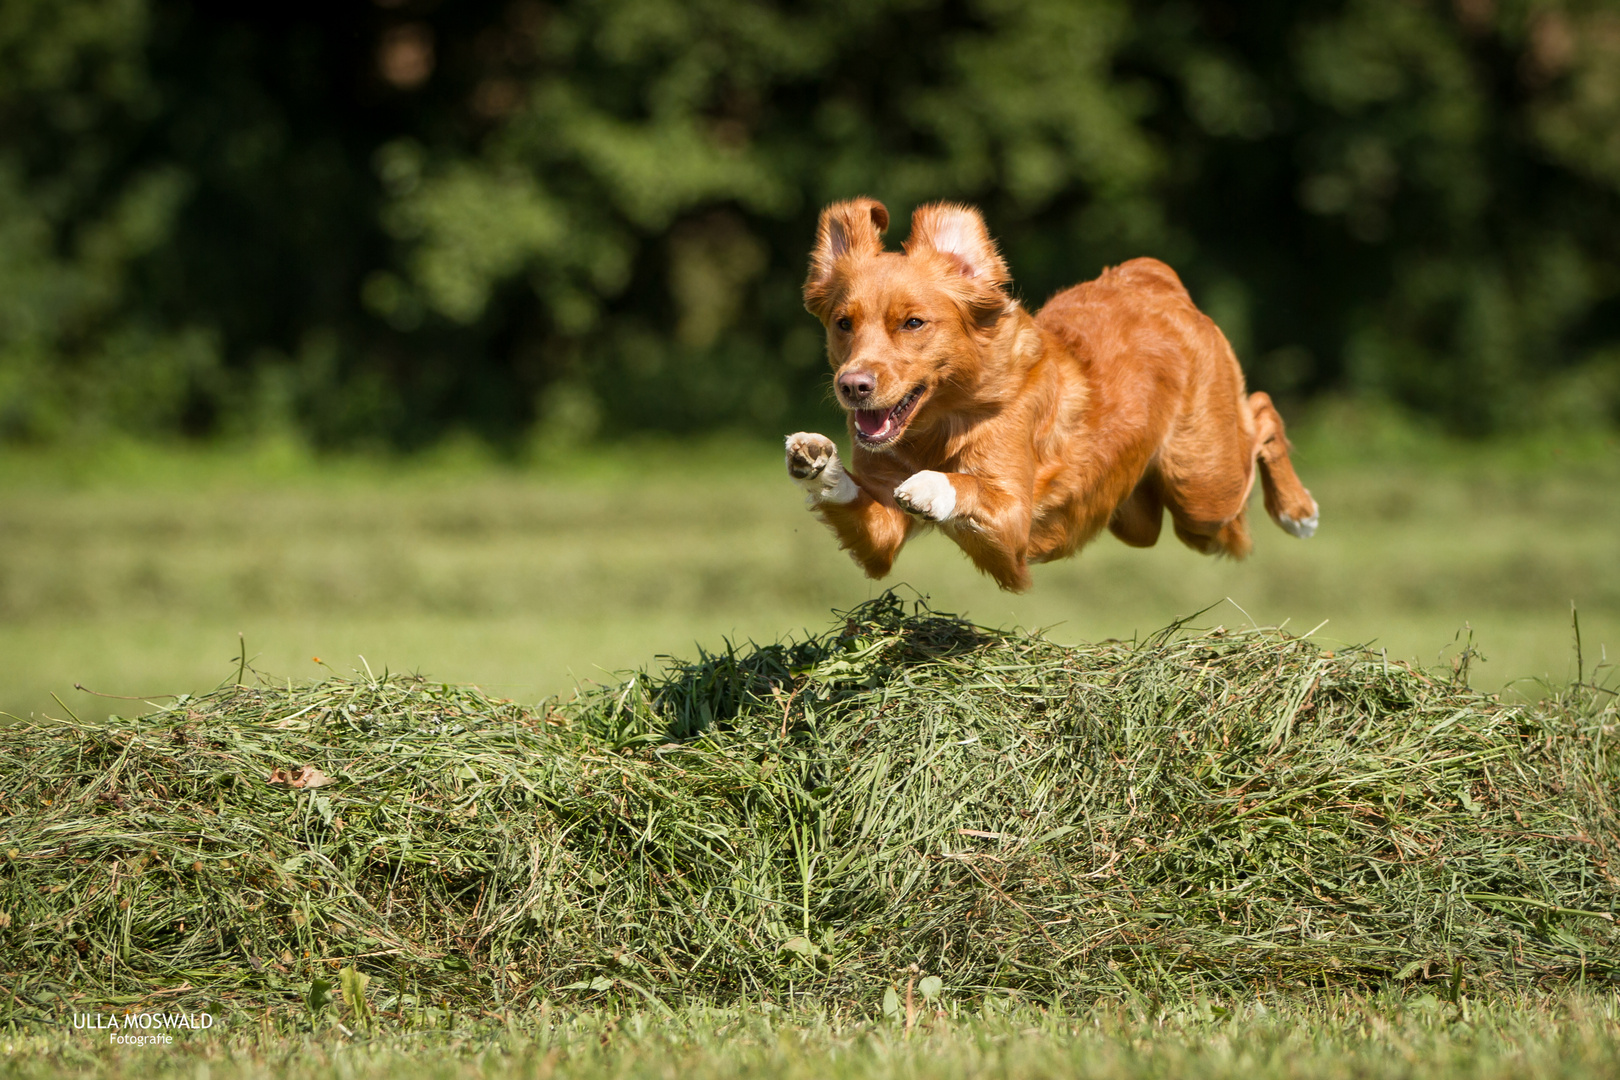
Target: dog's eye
{"x":911,"y":323}
{"x":844,"y":324}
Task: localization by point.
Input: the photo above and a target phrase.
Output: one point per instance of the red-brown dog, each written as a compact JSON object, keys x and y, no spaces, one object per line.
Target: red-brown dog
{"x":1022,"y":436}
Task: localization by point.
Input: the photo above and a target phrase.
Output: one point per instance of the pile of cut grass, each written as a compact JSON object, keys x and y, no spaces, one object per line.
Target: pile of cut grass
{"x":906,"y":796}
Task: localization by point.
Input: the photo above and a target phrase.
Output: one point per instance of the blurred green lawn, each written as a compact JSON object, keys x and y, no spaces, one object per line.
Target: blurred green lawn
{"x":133,"y":572}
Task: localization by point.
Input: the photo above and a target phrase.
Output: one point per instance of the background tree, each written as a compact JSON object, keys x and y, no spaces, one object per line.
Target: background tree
{"x":383,"y":223}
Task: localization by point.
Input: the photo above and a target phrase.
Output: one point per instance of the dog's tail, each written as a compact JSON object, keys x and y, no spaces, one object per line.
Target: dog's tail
{"x":1287,"y":500}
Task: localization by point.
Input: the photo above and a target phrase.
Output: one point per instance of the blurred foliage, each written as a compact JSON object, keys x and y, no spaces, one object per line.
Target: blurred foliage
{"x":382,"y":223}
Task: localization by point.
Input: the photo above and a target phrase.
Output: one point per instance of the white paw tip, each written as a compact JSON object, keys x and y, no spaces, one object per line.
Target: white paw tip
{"x":1302,"y":529}
{"x":927,"y":494}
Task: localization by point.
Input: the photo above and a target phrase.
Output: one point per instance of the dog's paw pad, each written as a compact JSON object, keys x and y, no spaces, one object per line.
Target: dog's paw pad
{"x":928,"y":495}
{"x":812,"y":461}
{"x":1304,"y":527}
{"x":809,"y":454}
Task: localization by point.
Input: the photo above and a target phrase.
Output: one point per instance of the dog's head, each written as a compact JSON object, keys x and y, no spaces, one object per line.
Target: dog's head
{"x":906,"y":333}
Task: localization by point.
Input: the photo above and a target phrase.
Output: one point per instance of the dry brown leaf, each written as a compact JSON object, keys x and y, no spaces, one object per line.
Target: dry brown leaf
{"x":307,"y":777}
{"x":311,"y":777}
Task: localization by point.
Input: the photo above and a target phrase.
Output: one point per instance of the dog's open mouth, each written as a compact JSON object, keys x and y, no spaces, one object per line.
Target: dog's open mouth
{"x":878,"y":427}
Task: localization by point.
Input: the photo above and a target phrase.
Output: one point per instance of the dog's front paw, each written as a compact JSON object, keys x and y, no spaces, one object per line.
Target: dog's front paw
{"x":809,"y":454}
{"x":812,"y":461}
{"x":927,"y":495}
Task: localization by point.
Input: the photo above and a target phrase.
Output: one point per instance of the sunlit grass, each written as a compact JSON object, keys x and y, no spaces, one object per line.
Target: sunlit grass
{"x":133,"y":572}
{"x":1391,"y":1035}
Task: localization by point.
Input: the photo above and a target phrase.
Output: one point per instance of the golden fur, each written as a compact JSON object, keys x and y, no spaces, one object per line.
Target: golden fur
{"x":1029,"y":433}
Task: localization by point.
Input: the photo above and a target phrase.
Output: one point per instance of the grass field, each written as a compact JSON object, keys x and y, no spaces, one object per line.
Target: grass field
{"x":134,"y":572}
{"x":1393,"y":1035}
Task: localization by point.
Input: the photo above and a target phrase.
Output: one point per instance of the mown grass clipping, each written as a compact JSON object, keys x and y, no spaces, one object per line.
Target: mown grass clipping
{"x":905,"y":797}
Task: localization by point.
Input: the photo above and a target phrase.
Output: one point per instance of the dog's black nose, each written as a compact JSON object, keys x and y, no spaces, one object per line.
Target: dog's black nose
{"x":856,"y":386}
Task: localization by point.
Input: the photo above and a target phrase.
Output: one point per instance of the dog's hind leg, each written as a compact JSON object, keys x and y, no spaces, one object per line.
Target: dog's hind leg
{"x":1206,"y":475}
{"x":1139,"y":519}
{"x":1227,"y":538}
{"x":1287,"y":500}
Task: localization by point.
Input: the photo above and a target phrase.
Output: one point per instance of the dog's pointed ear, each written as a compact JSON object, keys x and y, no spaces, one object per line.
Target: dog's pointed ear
{"x":958,"y":231}
{"x":855,"y":226}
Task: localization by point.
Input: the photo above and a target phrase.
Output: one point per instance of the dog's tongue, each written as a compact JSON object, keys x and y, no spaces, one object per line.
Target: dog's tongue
{"x":874,"y":423}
